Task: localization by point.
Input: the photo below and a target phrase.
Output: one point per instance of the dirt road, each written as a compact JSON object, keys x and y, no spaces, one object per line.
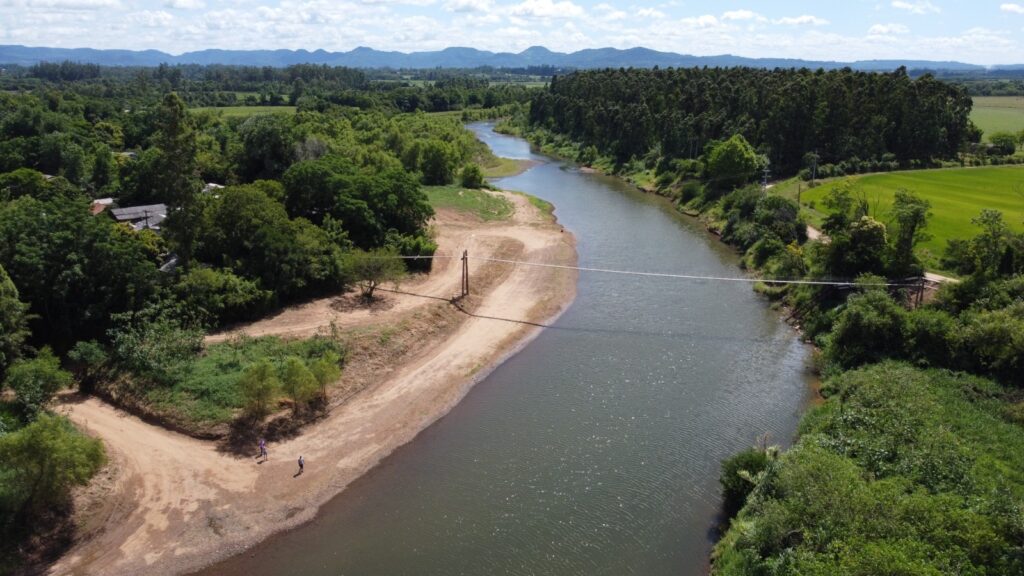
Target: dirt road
{"x":175,"y":504}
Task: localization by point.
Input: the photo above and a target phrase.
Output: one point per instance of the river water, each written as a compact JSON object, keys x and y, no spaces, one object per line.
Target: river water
{"x":596,"y":449}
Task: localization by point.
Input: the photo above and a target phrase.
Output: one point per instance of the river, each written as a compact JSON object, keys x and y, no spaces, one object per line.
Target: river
{"x":596,"y":449}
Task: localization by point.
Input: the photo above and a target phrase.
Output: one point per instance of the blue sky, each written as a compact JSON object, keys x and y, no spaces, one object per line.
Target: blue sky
{"x":981,"y":31}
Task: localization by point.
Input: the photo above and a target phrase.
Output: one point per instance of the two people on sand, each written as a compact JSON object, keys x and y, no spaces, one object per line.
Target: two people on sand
{"x":265,"y":456}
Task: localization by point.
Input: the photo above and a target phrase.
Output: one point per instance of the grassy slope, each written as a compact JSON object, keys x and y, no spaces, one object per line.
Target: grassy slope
{"x":998,"y":113}
{"x":485,"y":205}
{"x":956,"y":195}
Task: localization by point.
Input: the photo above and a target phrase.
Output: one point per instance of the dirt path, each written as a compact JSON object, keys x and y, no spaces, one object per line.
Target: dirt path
{"x":178,"y":504}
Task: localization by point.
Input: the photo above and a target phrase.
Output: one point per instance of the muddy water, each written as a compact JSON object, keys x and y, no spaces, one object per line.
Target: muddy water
{"x":596,"y":449}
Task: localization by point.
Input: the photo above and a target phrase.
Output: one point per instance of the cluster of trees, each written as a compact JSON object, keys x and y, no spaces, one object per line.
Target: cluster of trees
{"x":311,"y":86}
{"x":42,"y":456}
{"x":784,"y":114}
{"x":306,"y":193}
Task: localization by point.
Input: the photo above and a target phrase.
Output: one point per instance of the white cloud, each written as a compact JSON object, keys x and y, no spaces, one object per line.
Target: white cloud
{"x":546,"y":9}
{"x":705,"y":21}
{"x":917,"y":7}
{"x":610,"y":13}
{"x":151,"y":18}
{"x":650,"y":13}
{"x":1012,"y":8}
{"x":741,"y":15}
{"x":184,"y":4}
{"x":63,"y":4}
{"x":888,"y":29}
{"x":468,"y":5}
{"x":802,"y":20}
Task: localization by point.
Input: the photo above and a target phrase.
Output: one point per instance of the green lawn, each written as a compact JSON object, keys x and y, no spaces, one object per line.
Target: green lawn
{"x":239,"y":111}
{"x":998,"y":114}
{"x":956,"y":196}
{"x":480,"y":202}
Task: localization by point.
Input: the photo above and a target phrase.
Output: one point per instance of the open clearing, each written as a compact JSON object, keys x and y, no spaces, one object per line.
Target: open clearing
{"x":998,"y":114}
{"x":486,"y":205}
{"x":240,"y":111}
{"x":956,"y":196}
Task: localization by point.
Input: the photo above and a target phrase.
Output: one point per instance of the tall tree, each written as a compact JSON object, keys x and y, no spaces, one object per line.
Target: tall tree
{"x":910,"y":216}
{"x":13,"y":322}
{"x":176,"y":174}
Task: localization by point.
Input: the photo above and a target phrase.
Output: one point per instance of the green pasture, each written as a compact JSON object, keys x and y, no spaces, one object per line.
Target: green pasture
{"x":480,"y":202}
{"x":998,"y":114}
{"x":241,"y":111}
{"x":956,"y":196}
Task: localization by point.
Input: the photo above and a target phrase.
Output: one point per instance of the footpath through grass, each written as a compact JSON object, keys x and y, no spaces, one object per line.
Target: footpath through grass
{"x":956,"y":196}
{"x":487,"y":206}
{"x":998,"y":114}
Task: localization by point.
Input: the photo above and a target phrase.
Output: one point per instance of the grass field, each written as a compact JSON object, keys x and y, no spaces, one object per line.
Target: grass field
{"x":956,"y":196}
{"x":487,"y":206}
{"x":998,"y":114}
{"x":205,"y":389}
{"x":241,"y":111}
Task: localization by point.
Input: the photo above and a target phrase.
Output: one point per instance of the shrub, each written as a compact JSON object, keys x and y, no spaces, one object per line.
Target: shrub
{"x":39,"y":464}
{"x":298,"y":382}
{"x":870,"y":329}
{"x":738,"y":478}
{"x":928,"y":336}
{"x":35,"y":381}
{"x":154,"y":344}
{"x":471,"y":177}
{"x":259,"y":386}
{"x":217,"y":296}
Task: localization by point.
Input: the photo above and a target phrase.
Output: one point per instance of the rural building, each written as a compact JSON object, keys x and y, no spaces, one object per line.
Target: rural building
{"x":141,"y":217}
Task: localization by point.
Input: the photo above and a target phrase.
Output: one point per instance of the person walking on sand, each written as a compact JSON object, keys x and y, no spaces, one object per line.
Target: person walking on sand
{"x":263,"y":449}
{"x":302,"y":465}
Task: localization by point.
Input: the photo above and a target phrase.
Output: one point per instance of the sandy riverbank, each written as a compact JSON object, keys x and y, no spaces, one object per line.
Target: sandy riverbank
{"x":171,"y":504}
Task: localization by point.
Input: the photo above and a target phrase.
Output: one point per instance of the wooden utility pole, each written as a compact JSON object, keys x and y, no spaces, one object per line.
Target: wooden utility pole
{"x":465,"y":273}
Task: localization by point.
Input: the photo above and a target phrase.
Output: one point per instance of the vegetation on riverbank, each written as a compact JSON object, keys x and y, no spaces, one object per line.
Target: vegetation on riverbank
{"x":913,"y":463}
{"x":902,"y":470}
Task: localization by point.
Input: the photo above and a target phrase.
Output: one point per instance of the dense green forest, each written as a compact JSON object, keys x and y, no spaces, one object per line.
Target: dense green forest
{"x":784,"y":114}
{"x":912,"y":464}
{"x":239,"y":217}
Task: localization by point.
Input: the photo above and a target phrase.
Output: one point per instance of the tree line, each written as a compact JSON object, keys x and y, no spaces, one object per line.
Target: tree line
{"x":785,"y":114}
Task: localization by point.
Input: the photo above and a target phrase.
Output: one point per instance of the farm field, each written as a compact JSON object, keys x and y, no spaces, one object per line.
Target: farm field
{"x":998,"y":114}
{"x":240,"y":111}
{"x":956,"y":196}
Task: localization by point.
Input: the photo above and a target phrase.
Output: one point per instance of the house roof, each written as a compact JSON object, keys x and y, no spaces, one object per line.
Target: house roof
{"x":149,"y":216}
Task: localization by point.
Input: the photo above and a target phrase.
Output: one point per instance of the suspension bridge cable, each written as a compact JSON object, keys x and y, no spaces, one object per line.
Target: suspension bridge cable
{"x":747,"y":280}
{"x":694,"y":277}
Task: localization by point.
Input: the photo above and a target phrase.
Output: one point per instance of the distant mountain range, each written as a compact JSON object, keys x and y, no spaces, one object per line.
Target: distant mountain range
{"x":451,"y":58}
